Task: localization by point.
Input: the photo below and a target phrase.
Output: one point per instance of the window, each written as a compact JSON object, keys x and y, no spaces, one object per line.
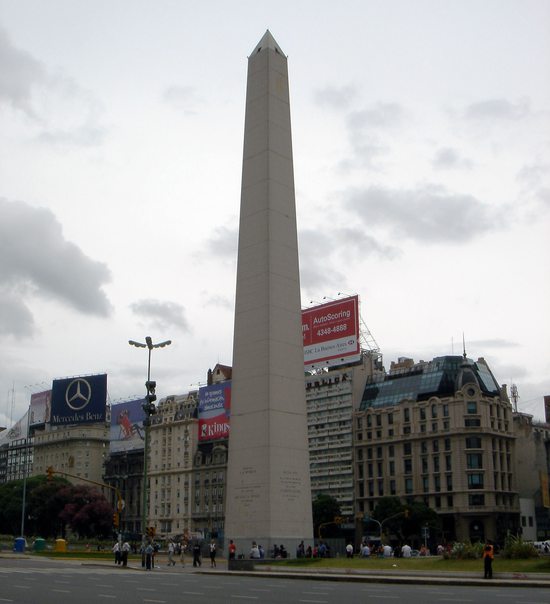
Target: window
{"x":407,"y":467}
{"x":369,"y":421}
{"x":391,"y":451}
{"x":449,"y":501}
{"x":378,"y":420}
{"x":424,"y":465}
{"x":476,"y":500}
{"x":445,"y":410}
{"x":392,"y":468}
{"x":425,"y":484}
{"x":448,"y":463}
{"x":473,"y":442}
{"x":424,"y":446}
{"x":471,"y":407}
{"x":408,"y":486}
{"x":393,"y":489}
{"x":434,"y":411}
{"x":369,"y":453}
{"x":475,"y":481}
{"x":472,"y":423}
{"x":390,"y":418}
{"x":435,"y":446}
{"x":449,"y":482}
{"x":436,"y":463}
{"x":422,"y":413}
{"x":474,"y":461}
{"x":406,"y":415}
{"x":407,"y":448}
{"x":437,"y":483}
{"x":447,"y":444}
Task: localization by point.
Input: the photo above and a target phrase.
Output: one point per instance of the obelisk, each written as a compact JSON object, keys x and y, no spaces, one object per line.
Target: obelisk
{"x":268,"y":497}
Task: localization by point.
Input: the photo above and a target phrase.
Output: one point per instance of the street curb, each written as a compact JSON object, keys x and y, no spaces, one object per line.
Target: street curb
{"x":519,"y":581}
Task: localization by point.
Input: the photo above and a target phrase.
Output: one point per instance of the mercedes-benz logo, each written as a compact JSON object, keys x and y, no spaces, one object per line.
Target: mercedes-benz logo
{"x":78,"y":394}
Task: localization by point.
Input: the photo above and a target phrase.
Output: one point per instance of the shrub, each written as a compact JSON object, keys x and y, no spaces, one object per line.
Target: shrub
{"x":516,"y":547}
{"x":465,"y":551}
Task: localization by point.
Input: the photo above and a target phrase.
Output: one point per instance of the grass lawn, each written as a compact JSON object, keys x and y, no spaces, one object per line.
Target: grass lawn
{"x":431,"y":563}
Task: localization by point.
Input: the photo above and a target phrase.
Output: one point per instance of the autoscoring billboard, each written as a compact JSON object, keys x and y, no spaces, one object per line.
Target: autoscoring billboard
{"x":331,"y":333}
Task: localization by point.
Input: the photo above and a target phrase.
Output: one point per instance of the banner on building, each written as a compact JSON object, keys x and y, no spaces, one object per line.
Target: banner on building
{"x":331,"y":333}
{"x":79,"y":400}
{"x":127,"y":432}
{"x":41,"y":406}
{"x":214,"y":411}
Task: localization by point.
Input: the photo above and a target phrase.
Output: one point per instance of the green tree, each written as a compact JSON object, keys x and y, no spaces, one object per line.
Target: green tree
{"x":325,"y":509}
{"x":44,"y":507}
{"x":390,"y":512}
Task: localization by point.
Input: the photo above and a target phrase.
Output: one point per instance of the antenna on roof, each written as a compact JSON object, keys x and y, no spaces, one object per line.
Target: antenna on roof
{"x":463,"y":346}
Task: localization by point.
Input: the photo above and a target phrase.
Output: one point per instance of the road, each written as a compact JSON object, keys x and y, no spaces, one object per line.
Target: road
{"x":31,"y":581}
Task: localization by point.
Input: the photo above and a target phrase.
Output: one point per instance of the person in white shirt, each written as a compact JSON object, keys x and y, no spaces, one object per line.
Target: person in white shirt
{"x":406,"y":551}
{"x":349,"y":550}
{"x":387,"y":551}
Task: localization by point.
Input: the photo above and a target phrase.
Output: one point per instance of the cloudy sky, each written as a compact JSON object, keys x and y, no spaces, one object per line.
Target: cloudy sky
{"x":421,"y":135}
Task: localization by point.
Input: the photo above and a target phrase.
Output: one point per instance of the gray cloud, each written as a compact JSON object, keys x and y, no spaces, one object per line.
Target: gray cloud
{"x":66,"y":113}
{"x":15,"y":317}
{"x":182,"y":98}
{"x":20,"y":73}
{"x":216,"y":300}
{"x":449,"y":158}
{"x":161,"y":315}
{"x":335,"y":97}
{"x":428,"y":214}
{"x":37,"y":259}
{"x":492,"y":343}
{"x":381,"y":115}
{"x":498,"y":109}
{"x":223,"y":243}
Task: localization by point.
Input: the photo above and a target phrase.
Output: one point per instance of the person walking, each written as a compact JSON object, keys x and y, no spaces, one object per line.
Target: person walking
{"x":149,"y":560}
{"x":488,"y":555}
{"x":213,"y":554}
{"x":197,"y":554}
{"x":232,"y":549}
{"x":117,"y":553}
{"x":125,"y":552}
{"x":171,"y":551}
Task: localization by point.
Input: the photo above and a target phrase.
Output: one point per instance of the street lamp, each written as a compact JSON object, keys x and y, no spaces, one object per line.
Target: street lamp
{"x":150,"y":409}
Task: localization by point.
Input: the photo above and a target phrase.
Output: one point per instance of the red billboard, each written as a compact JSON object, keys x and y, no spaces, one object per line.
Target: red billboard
{"x":214,"y":411}
{"x":331,"y":333}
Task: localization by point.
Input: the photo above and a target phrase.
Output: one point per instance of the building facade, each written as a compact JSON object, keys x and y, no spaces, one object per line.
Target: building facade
{"x":73,"y":451}
{"x":332,"y":396}
{"x":440,"y":432}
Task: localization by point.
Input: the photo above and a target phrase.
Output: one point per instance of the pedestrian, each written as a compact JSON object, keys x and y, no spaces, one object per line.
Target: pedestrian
{"x":183,"y":549}
{"x":171,"y":551}
{"x":488,"y":555}
{"x":349,"y":550}
{"x":212,"y":554}
{"x":116,"y":551}
{"x":197,"y":554}
{"x":365,"y":550}
{"x":232,"y":549}
{"x":301,"y":550}
{"x":254,"y":551}
{"x":406,"y":551}
{"x":149,"y":551}
{"x":125,"y":552}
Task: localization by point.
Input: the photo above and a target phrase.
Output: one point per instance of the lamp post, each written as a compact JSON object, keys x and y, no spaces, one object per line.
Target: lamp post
{"x":150,"y":409}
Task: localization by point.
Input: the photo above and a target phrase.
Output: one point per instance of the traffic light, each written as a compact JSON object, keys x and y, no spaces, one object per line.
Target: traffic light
{"x":49,"y":472}
{"x":151,"y":531}
{"x":151,"y":386}
{"x":116,"y":519}
{"x":150,"y":398}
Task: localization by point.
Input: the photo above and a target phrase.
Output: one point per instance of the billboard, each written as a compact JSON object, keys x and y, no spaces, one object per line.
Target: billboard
{"x":41,"y":406}
{"x":214,"y":411}
{"x":79,"y":400}
{"x":331,"y":333}
{"x":127,"y":432}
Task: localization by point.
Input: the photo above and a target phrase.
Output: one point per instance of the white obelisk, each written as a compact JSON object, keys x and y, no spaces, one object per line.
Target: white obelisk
{"x":268,"y":496}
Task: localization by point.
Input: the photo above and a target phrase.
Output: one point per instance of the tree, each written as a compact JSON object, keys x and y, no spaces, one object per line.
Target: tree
{"x":325,"y":509}
{"x":86,"y":511}
{"x":45,"y":506}
{"x":390,"y":512}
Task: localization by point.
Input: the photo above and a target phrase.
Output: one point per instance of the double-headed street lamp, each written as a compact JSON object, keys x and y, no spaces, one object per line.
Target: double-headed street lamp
{"x":150,"y":409}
